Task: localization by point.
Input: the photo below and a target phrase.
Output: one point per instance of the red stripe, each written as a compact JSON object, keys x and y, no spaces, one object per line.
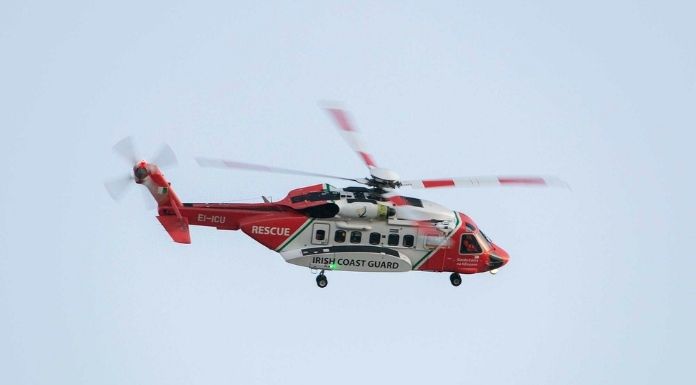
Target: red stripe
{"x":521,"y":181}
{"x":438,"y":183}
{"x":341,"y":118}
{"x":367,"y":159}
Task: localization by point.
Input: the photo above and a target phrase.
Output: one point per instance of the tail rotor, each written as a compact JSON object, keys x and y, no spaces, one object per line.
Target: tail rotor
{"x":127,"y":150}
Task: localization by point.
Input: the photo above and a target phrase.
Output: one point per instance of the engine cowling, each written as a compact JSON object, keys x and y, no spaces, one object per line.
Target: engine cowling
{"x":364,"y":210}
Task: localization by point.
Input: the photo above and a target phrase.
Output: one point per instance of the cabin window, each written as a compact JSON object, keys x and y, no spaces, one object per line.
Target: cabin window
{"x":375,"y":238}
{"x":355,"y":236}
{"x":408,"y":240}
{"x":393,"y":240}
{"x":320,"y":235}
{"x":469,"y":245}
{"x":340,"y":236}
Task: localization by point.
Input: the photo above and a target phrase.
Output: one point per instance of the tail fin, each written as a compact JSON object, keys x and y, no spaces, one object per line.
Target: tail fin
{"x":177,"y":228}
{"x":173,"y":222}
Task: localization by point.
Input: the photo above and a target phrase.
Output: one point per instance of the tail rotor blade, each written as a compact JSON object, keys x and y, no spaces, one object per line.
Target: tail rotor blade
{"x":165,"y":157}
{"x":118,"y":187}
{"x":126,"y":149}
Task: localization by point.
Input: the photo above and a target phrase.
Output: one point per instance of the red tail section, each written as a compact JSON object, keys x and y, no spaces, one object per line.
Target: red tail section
{"x":150,"y":176}
{"x":177,"y":228}
{"x":271,"y":224}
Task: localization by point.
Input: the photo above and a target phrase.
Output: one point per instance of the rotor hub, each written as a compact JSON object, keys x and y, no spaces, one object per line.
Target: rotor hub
{"x":383,"y":177}
{"x":140,"y":171}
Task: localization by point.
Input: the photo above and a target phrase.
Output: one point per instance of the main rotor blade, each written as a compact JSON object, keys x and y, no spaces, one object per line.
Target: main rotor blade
{"x":126,"y":149}
{"x":350,"y":135}
{"x":220,"y":163}
{"x":117,"y":187}
{"x":165,"y":157}
{"x":486,"y":181}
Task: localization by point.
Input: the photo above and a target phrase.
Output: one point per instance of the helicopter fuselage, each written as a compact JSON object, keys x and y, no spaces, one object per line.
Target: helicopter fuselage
{"x":349,"y":229}
{"x":366,"y":228}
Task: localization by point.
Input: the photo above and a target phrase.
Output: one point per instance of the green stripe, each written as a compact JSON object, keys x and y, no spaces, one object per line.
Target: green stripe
{"x":295,"y":235}
{"x":456,"y":227}
{"x":424,"y":257}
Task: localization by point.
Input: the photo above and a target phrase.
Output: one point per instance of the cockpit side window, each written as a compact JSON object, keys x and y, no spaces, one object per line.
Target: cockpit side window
{"x":469,"y":245}
{"x":486,"y":242}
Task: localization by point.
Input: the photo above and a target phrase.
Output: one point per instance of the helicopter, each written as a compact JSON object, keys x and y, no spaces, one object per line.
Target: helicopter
{"x":365,"y":227}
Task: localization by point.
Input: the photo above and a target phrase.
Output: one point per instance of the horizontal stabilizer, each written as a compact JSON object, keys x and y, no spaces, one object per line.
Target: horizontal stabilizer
{"x":178,"y":228}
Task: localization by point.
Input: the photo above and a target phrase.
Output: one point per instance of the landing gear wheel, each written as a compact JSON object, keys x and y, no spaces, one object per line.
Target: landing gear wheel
{"x":322,"y":281}
{"x":455,"y":278}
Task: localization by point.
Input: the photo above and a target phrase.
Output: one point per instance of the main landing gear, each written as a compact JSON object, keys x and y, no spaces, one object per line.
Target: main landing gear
{"x":455,"y":278}
{"x":321,"y":280}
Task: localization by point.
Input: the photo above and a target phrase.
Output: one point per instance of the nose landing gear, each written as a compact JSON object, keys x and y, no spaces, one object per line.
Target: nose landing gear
{"x":455,"y":279}
{"x":321,"y":280}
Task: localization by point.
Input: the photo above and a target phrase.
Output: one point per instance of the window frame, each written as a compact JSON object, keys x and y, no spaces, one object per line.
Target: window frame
{"x":461,"y":245}
{"x":411,"y":237}
{"x":352,"y":237}
{"x":343,"y":239}
{"x":391,"y":236}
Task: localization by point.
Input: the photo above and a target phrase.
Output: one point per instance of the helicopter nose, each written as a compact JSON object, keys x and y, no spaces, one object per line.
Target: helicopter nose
{"x":495,"y":262}
{"x":498,"y":258}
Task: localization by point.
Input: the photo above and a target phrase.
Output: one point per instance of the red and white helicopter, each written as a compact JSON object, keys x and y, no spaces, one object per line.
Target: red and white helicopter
{"x":366,"y":228}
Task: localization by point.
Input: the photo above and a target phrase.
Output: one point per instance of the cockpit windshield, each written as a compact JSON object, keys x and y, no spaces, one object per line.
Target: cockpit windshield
{"x":486,"y":236}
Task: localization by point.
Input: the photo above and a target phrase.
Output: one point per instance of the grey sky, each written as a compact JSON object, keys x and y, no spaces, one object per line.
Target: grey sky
{"x":600,"y":286}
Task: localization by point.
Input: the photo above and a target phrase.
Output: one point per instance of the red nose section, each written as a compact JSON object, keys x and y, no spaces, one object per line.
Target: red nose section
{"x":503,"y":254}
{"x":497,"y":258}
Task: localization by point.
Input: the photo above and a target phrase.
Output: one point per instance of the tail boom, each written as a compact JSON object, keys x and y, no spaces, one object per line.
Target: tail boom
{"x":270,"y":224}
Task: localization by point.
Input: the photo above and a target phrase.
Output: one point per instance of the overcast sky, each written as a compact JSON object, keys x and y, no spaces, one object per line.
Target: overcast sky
{"x":600,"y":286}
